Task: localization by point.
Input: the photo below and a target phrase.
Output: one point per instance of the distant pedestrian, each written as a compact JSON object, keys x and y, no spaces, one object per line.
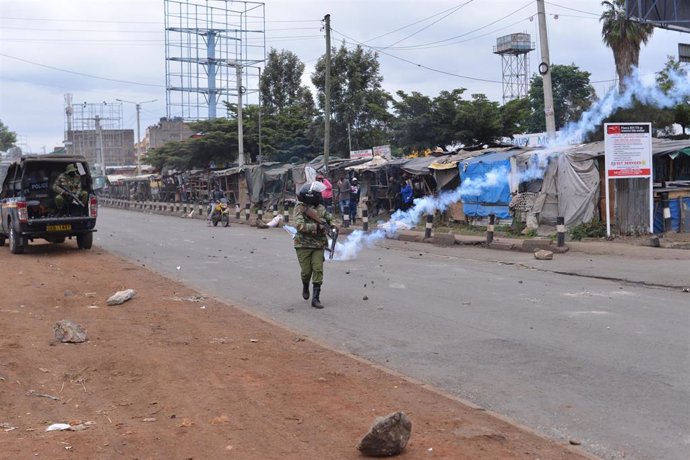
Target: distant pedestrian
{"x":394,"y":194}
{"x":327,"y":194}
{"x":354,"y":198}
{"x":406,"y":194}
{"x":343,"y":186}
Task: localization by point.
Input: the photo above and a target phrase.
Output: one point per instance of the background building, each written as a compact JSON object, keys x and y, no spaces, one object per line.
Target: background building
{"x":94,"y":130}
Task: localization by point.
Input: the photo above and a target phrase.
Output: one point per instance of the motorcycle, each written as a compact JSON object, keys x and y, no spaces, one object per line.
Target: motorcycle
{"x":221,"y":213}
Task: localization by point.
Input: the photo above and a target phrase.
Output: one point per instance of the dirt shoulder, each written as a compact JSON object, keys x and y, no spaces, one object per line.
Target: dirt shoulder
{"x":174,"y":375}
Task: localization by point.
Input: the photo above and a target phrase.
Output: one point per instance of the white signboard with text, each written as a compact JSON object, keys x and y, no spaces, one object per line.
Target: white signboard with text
{"x":358,"y":154}
{"x":628,"y":155}
{"x":383,"y":151}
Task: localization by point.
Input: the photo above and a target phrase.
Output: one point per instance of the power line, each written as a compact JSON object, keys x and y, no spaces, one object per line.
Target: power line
{"x":409,"y":25}
{"x":491,"y":32}
{"x":573,"y":9}
{"x":355,"y":42}
{"x":427,"y":26}
{"x":471,"y":31}
{"x":80,"y":73}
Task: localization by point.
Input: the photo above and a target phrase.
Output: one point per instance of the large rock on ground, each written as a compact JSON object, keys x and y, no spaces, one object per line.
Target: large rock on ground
{"x":67,"y":331}
{"x":543,"y":254}
{"x":387,"y":437}
{"x":121,"y":297}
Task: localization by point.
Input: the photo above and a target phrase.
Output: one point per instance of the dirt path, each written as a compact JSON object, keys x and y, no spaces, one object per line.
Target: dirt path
{"x":174,"y":375}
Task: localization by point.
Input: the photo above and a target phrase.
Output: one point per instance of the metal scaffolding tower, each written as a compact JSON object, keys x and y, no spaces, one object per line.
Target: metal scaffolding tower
{"x":94,"y":130}
{"x":514,"y":50}
{"x":212,"y":48}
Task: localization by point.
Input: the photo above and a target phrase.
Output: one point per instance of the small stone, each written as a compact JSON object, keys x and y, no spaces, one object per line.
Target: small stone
{"x":121,"y":297}
{"x":67,"y":331}
{"x":365,"y":298}
{"x":543,"y":254}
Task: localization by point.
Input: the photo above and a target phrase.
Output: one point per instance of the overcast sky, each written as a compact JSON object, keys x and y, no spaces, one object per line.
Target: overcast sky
{"x":52,"y":47}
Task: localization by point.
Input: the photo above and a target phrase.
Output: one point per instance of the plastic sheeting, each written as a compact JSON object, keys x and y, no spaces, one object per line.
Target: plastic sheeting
{"x":571,"y":189}
{"x":492,"y":199}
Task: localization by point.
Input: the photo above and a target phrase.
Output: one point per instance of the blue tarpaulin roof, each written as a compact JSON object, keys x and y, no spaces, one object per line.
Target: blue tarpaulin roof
{"x":493,"y":199}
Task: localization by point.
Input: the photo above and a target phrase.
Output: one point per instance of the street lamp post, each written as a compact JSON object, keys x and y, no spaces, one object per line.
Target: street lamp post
{"x":138,"y":106}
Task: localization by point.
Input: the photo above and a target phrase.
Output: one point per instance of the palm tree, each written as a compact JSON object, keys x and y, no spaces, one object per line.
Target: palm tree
{"x":624,"y":37}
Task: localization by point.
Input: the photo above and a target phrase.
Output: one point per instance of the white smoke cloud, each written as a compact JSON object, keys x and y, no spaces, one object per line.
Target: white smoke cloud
{"x":636,"y":89}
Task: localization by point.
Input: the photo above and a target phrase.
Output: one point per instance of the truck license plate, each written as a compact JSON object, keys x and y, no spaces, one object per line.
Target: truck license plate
{"x":59,"y":228}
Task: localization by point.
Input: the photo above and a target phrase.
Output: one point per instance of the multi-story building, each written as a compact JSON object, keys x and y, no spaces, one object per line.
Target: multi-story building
{"x":166,"y":130}
{"x":117,"y":146}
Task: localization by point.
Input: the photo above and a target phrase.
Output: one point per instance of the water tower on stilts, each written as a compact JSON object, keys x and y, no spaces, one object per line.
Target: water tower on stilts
{"x":514,"y":50}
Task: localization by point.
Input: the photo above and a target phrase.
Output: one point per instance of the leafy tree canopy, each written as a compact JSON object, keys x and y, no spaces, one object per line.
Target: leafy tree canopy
{"x":7,"y":137}
{"x":572,"y":96}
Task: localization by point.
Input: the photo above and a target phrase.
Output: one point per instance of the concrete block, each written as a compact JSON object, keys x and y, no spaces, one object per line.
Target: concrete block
{"x":536,"y":244}
{"x":443,"y":239}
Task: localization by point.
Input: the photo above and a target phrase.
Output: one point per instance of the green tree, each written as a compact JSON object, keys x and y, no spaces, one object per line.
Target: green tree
{"x":680,"y":113}
{"x":478,"y":121}
{"x":7,"y":137}
{"x":281,"y":82}
{"x":624,"y":37}
{"x":413,"y":127}
{"x":215,"y":146}
{"x":572,"y":96}
{"x":445,"y":110}
{"x":359,"y":115}
{"x":515,"y":116}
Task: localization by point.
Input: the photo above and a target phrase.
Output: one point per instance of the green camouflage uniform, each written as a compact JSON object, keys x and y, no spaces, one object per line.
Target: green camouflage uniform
{"x":310,"y":244}
{"x":71,"y":182}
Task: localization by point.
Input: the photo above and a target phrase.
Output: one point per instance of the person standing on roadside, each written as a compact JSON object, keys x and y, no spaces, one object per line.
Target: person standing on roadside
{"x":407,"y":194}
{"x":327,"y":194}
{"x":354,"y":199}
{"x":343,"y":186}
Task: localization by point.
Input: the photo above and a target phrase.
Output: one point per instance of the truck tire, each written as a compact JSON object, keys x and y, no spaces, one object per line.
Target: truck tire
{"x":85,"y":240}
{"x":16,"y":242}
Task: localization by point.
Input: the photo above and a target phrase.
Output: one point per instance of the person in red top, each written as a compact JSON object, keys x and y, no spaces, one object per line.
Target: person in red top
{"x":327,"y":194}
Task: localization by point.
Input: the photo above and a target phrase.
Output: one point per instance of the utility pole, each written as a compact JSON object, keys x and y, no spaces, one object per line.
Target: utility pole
{"x":138,"y":106}
{"x":260,"y":110}
{"x":99,"y":144}
{"x":545,"y":72}
{"x":240,"y":131}
{"x":327,"y":94}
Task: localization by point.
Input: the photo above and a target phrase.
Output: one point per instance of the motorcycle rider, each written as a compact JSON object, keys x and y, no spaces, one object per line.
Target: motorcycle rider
{"x":216,"y":195}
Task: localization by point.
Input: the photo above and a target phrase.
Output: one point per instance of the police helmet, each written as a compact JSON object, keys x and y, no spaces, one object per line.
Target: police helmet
{"x":310,"y":193}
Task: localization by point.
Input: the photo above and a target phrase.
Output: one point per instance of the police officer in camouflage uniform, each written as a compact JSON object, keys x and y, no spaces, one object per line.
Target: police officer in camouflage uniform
{"x":310,"y":240}
{"x":69,"y":180}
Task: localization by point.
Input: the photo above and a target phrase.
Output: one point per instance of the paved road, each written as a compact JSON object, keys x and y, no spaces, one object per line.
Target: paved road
{"x":601,"y":362}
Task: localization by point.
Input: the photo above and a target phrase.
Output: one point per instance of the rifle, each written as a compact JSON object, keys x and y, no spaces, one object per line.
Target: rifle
{"x":331,"y":230}
{"x":75,"y":198}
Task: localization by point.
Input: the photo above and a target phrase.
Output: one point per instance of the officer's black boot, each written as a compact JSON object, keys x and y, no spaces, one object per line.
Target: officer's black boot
{"x":315,"y":301}
{"x":305,"y":290}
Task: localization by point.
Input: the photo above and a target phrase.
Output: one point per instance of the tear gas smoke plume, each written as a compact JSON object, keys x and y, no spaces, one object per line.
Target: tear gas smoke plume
{"x":636,"y":89}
